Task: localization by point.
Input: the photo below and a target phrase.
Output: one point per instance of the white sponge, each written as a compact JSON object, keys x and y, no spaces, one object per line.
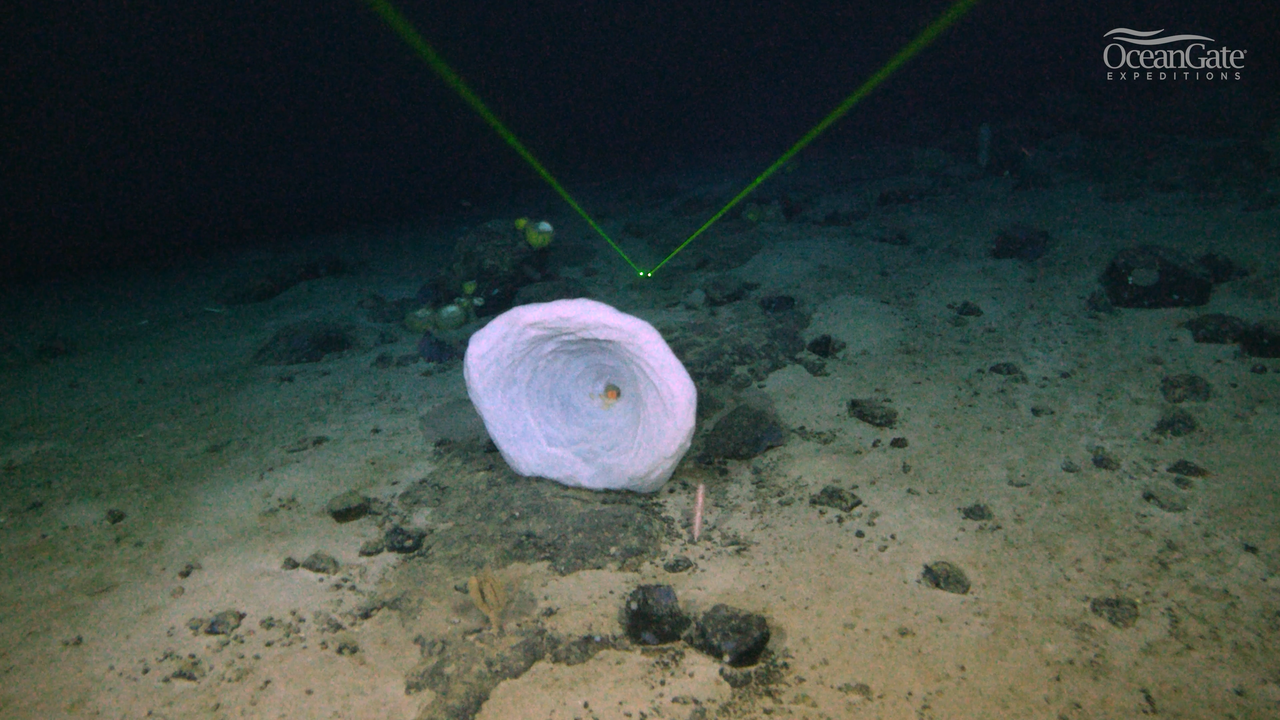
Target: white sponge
{"x":580,"y":393}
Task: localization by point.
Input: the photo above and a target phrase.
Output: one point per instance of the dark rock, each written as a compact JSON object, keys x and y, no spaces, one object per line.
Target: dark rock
{"x":1262,"y":340}
{"x":725,"y":289}
{"x":115,"y":517}
{"x":1166,"y":500}
{"x":1069,"y":466}
{"x":1021,"y":242}
{"x":873,"y":412}
{"x":433,"y":349}
{"x":899,"y":442}
{"x":1216,"y":329}
{"x":1041,"y":411}
{"x":677,"y":564}
{"x":1188,"y":468}
{"x":348,"y":506}
{"x":775,"y":304}
{"x":946,"y":576}
{"x":1121,"y":612}
{"x":739,"y":346}
{"x":404,"y":540}
{"x":1007,"y":369}
{"x":1181,"y":388}
{"x":528,"y":520}
{"x":825,"y":346}
{"x":1258,"y":369}
{"x":289,"y":563}
{"x":1152,"y":277}
{"x":224,"y":623}
{"x":835,"y":497}
{"x":1104,"y":460}
{"x":743,"y":433}
{"x":375,"y":546}
{"x":652,"y":615}
{"x":305,"y":342}
{"x":735,"y":637}
{"x":1176,"y":423}
{"x":977,"y":512}
{"x":462,"y":674}
{"x":322,"y":563}
{"x":968,"y":309}
{"x":498,"y":259}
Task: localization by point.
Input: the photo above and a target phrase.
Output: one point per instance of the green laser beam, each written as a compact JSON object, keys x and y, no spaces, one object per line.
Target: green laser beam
{"x":402,"y":27}
{"x":926,"y":36}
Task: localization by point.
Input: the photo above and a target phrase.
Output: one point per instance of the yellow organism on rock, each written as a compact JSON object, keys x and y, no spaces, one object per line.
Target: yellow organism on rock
{"x":538,"y":235}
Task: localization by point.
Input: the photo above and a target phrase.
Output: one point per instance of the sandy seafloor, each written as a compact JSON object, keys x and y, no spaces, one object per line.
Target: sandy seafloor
{"x":159,"y":412}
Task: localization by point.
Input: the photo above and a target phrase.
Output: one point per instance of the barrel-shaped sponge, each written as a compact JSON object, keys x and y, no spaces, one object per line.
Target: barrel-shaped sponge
{"x":583,"y":394}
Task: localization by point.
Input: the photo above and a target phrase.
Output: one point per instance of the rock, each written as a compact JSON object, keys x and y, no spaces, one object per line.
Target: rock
{"x":1104,"y":460}
{"x":947,"y":577}
{"x":322,"y":563}
{"x":1176,"y":423}
{"x":1188,"y":468}
{"x":348,"y":506}
{"x":677,"y":564}
{"x":977,"y":512}
{"x":404,"y":540}
{"x":873,"y":412}
{"x":369,"y":548}
{"x":696,"y":299}
{"x":289,"y":563}
{"x":433,"y":349}
{"x":224,"y":623}
{"x":776,"y":304}
{"x":1006,"y":369}
{"x":1153,"y":277}
{"x":825,"y":346}
{"x":1181,"y":388}
{"x":653,"y":616}
{"x":1121,"y":612}
{"x":1021,"y":242}
{"x":1167,"y":500}
{"x":305,"y":342}
{"x":835,"y":497}
{"x":968,"y":309}
{"x":1216,"y":329}
{"x":115,"y":517}
{"x":743,"y":433}
{"x":725,"y":289}
{"x":735,"y":637}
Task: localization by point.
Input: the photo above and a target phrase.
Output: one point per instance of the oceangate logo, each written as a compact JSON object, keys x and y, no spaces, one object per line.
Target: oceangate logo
{"x":1142,"y":55}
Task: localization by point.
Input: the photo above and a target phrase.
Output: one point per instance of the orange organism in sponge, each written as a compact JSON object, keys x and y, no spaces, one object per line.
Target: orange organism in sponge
{"x":610,"y":395}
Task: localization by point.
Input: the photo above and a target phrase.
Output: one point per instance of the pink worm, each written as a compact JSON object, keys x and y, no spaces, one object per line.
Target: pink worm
{"x":698,"y":503}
